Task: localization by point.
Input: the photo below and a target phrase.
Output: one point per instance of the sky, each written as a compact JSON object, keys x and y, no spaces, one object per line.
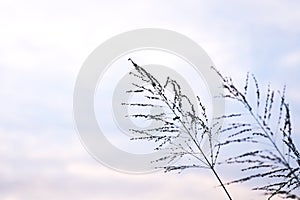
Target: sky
{"x":43,"y":45}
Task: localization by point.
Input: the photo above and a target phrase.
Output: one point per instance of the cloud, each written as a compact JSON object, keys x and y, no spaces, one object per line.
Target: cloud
{"x":291,"y":60}
{"x":54,"y":165}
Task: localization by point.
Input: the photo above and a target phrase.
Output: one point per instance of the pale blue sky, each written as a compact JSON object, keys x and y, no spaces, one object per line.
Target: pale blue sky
{"x":42,"y":47}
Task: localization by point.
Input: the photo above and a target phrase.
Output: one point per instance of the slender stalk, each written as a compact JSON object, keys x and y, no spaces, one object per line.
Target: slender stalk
{"x":222,"y":184}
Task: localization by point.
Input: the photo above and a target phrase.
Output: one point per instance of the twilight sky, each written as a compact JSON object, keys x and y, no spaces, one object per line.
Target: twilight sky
{"x":42,"y":47}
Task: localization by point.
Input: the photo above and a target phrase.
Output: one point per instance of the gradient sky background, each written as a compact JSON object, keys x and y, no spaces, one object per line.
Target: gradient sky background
{"x":42,"y":47}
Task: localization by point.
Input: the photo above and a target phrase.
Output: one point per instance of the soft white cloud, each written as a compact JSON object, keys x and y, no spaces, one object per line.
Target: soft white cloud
{"x":48,"y":168}
{"x":281,"y":14}
{"x":291,"y":60}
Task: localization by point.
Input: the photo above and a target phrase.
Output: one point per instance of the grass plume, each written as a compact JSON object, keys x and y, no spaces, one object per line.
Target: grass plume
{"x":262,"y":125}
{"x":273,"y":156}
{"x":181,"y":129}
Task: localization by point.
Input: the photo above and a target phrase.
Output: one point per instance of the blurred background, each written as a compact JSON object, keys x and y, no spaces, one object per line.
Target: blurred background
{"x":42,"y":47}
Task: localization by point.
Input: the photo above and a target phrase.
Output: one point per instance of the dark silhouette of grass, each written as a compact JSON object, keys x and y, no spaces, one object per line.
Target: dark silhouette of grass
{"x":183,"y":131}
{"x":274,"y":157}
